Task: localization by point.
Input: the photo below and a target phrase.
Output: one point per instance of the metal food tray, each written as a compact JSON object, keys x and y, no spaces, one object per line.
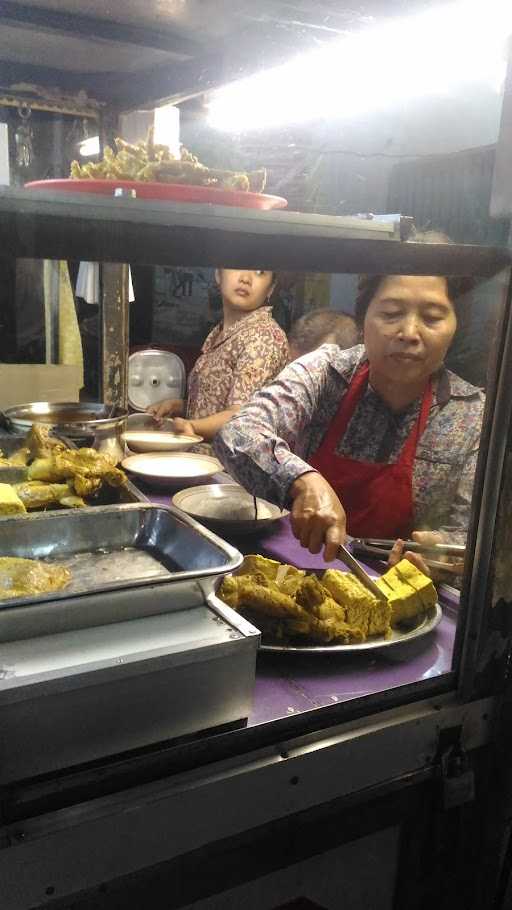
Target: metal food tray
{"x":126,"y":562}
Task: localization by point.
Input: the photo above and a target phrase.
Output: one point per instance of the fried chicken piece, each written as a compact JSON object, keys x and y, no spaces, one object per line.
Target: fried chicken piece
{"x":39,"y":442}
{"x":85,"y":486}
{"x":35,"y":494}
{"x":332,"y":630}
{"x":311,"y":593}
{"x":18,"y":459}
{"x":25,"y":577}
{"x":67,"y":464}
{"x":72,"y":502}
{"x":228,"y":591}
{"x":267,"y":600}
{"x":291,"y":583}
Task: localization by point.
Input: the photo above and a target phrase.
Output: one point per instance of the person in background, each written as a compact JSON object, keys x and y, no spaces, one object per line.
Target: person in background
{"x":380,"y":440}
{"x":321,"y":327}
{"x":240,"y":355}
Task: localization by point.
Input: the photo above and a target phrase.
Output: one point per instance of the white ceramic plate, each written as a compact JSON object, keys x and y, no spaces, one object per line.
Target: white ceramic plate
{"x":155,"y":441}
{"x":227,"y":506}
{"x":172,"y":468}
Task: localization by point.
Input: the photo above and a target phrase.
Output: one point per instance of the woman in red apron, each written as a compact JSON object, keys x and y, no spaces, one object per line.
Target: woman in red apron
{"x":408,"y":323}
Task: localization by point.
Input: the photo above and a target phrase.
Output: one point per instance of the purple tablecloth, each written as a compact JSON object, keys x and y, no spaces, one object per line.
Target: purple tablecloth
{"x":291,"y":683}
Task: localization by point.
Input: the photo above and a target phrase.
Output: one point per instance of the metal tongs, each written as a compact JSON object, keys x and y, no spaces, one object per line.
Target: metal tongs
{"x":346,"y":557}
{"x":379,"y":547}
{"x":369,"y":546}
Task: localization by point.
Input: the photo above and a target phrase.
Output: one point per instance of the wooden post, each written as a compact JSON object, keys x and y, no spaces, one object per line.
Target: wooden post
{"x":114,"y":333}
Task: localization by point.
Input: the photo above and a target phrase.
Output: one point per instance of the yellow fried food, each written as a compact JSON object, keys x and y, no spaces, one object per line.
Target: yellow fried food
{"x":310,"y":593}
{"x":362,"y":609}
{"x":18,"y":459}
{"x":409,"y":592}
{"x":228,"y":591}
{"x":267,"y":600}
{"x":287,"y":603}
{"x":26,"y":577}
{"x":10,"y":502}
{"x":69,"y":463}
{"x":35,"y":494}
{"x":40,"y":443}
{"x":148,"y":161}
{"x":253,"y":564}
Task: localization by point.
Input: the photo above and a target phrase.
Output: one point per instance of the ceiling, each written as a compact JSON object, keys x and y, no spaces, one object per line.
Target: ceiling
{"x":132,"y":53}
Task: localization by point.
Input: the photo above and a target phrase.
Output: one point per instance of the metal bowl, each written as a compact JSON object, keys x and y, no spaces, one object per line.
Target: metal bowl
{"x":89,"y":424}
{"x":70,"y":418}
{"x":227,"y":507}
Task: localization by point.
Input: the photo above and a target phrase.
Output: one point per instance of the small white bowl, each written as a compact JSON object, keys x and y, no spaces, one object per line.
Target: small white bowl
{"x":158,"y":441}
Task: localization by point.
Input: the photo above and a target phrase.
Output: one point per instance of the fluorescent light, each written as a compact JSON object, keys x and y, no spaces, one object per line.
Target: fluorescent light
{"x":427,"y":54}
{"x":167,"y":127}
{"x":89,"y":146}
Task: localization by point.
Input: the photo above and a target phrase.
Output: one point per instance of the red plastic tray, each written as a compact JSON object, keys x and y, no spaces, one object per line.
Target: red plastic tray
{"x":172,"y":192}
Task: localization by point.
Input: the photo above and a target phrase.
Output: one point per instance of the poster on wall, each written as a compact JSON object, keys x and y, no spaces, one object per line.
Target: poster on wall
{"x":187,"y":305}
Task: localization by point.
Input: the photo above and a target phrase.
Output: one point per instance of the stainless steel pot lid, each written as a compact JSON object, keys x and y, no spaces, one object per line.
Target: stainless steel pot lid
{"x":154,"y":375}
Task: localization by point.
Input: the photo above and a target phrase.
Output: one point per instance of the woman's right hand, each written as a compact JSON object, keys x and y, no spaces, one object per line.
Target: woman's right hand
{"x":170,"y":407}
{"x":318,"y":518}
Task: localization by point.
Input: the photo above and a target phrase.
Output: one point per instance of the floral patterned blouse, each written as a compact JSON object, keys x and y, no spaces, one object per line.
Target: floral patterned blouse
{"x":268,"y":444}
{"x":235,"y":363}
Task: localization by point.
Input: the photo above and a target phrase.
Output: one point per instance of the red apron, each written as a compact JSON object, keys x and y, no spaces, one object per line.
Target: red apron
{"x":377,"y":497}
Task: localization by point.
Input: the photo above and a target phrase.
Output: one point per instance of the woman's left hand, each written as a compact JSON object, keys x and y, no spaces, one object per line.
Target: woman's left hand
{"x":183,"y":427}
{"x":427,"y":538}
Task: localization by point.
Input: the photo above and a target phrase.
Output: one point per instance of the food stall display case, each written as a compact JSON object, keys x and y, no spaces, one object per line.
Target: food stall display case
{"x":385,"y":782}
{"x":386,"y":745}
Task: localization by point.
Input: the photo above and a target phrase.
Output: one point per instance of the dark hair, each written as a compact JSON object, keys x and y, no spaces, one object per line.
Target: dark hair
{"x":311,"y":330}
{"x":368,"y":285}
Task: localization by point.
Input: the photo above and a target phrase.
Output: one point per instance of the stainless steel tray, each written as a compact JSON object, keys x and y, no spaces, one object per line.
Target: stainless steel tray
{"x":417,"y":628}
{"x":77,"y":696}
{"x":126,"y":561}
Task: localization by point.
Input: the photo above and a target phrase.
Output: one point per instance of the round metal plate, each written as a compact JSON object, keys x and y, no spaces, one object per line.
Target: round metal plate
{"x":227,"y":506}
{"x":421,"y":626}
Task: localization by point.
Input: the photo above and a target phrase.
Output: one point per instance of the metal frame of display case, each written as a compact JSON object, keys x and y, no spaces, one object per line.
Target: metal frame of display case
{"x":41,"y":225}
{"x":291,"y":765}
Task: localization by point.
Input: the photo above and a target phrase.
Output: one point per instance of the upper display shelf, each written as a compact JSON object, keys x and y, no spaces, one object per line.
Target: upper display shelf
{"x":106,"y":229}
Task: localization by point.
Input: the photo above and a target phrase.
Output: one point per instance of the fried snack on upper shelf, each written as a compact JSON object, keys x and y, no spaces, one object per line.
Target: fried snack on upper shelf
{"x":10,"y":502}
{"x":408,"y":590}
{"x":147,"y":161}
{"x":26,"y":577}
{"x":35,"y":494}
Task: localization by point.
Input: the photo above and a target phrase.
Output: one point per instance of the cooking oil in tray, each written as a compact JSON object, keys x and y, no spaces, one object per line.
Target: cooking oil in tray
{"x":102,"y":567}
